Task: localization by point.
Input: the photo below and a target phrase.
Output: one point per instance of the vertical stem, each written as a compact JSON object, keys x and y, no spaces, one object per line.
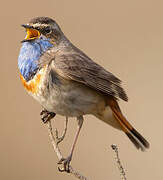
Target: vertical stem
{"x":53,"y":140}
{"x":117,"y":158}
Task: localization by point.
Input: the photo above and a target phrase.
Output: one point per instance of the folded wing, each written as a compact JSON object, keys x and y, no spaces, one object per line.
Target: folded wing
{"x":77,"y":66}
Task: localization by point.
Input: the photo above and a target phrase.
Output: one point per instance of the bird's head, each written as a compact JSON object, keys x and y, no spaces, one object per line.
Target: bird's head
{"x":42,"y":27}
{"x":42,"y":34}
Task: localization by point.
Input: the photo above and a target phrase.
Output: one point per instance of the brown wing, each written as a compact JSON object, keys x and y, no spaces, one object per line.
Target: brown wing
{"x":75,"y":65}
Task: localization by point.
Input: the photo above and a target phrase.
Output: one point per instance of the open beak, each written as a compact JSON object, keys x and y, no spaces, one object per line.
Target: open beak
{"x":31,"y":33}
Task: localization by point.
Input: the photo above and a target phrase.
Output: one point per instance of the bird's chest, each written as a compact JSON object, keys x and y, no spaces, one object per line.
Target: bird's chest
{"x":62,"y":96}
{"x":31,"y":74}
{"x":35,"y":87}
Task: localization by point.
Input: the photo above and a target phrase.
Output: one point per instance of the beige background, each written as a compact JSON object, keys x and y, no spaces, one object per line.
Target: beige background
{"x":126,"y":37}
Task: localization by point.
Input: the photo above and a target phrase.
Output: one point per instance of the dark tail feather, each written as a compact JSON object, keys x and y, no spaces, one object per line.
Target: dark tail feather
{"x":135,"y":142}
{"x":140,"y":138}
{"x":136,"y":138}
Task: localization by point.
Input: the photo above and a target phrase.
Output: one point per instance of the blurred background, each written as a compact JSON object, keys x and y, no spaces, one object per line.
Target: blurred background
{"x":126,"y":37}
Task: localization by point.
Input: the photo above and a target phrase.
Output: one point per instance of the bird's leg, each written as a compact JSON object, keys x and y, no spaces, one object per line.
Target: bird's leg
{"x":46,"y":115}
{"x":66,"y":162}
{"x":60,"y":139}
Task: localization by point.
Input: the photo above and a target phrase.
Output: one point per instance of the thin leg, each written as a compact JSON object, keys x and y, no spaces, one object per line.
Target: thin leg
{"x":80,"y":123}
{"x":67,"y":161}
{"x":60,"y":139}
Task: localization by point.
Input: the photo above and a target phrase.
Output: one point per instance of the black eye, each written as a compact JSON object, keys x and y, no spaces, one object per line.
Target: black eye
{"x":47,"y":30}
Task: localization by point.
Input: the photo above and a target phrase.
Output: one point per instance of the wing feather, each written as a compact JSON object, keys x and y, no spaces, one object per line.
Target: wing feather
{"x":75,"y":65}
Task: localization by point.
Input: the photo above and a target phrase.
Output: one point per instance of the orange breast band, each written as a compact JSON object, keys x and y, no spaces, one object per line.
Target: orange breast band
{"x":32,"y":85}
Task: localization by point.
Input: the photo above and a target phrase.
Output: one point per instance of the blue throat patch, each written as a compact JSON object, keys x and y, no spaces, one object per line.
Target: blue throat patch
{"x":30,"y":54}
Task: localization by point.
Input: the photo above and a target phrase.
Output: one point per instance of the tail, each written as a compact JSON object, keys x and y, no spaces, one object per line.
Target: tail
{"x":136,"y":138}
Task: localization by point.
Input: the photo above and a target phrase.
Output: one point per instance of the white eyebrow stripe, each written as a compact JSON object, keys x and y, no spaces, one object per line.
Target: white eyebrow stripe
{"x":38,"y":25}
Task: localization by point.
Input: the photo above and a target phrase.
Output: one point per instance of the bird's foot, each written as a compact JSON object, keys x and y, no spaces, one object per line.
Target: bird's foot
{"x":66,"y":164}
{"x":46,"y":115}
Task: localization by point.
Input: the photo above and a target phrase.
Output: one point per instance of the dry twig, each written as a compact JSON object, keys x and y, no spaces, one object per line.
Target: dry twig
{"x":117,"y":158}
{"x":55,"y":140}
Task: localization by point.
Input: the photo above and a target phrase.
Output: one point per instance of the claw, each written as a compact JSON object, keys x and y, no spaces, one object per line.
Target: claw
{"x":66,"y":164}
{"x":46,"y":115}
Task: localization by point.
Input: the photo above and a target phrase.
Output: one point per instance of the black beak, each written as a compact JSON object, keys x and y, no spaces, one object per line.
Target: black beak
{"x":27,"y":26}
{"x":24,"y":40}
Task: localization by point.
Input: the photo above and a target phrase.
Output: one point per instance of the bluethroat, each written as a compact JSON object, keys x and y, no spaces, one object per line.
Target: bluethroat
{"x":66,"y":81}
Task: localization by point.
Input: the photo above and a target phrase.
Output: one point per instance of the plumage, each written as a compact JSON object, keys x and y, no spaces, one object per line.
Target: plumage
{"x":73,"y":64}
{"x":32,"y":86}
{"x":66,"y":81}
{"x":138,"y":140}
{"x":29,"y":56}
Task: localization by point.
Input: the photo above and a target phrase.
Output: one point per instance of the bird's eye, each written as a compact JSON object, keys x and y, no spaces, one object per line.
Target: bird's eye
{"x":47,"y":30}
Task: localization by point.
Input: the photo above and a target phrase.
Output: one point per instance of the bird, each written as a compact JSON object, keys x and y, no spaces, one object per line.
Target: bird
{"x":65,"y":81}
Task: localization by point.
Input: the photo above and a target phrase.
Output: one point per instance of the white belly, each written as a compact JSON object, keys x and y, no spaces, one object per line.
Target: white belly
{"x":72,"y":101}
{"x":69,"y":98}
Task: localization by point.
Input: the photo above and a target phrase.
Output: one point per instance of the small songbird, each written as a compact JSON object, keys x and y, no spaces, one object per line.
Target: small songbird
{"x":66,"y":81}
